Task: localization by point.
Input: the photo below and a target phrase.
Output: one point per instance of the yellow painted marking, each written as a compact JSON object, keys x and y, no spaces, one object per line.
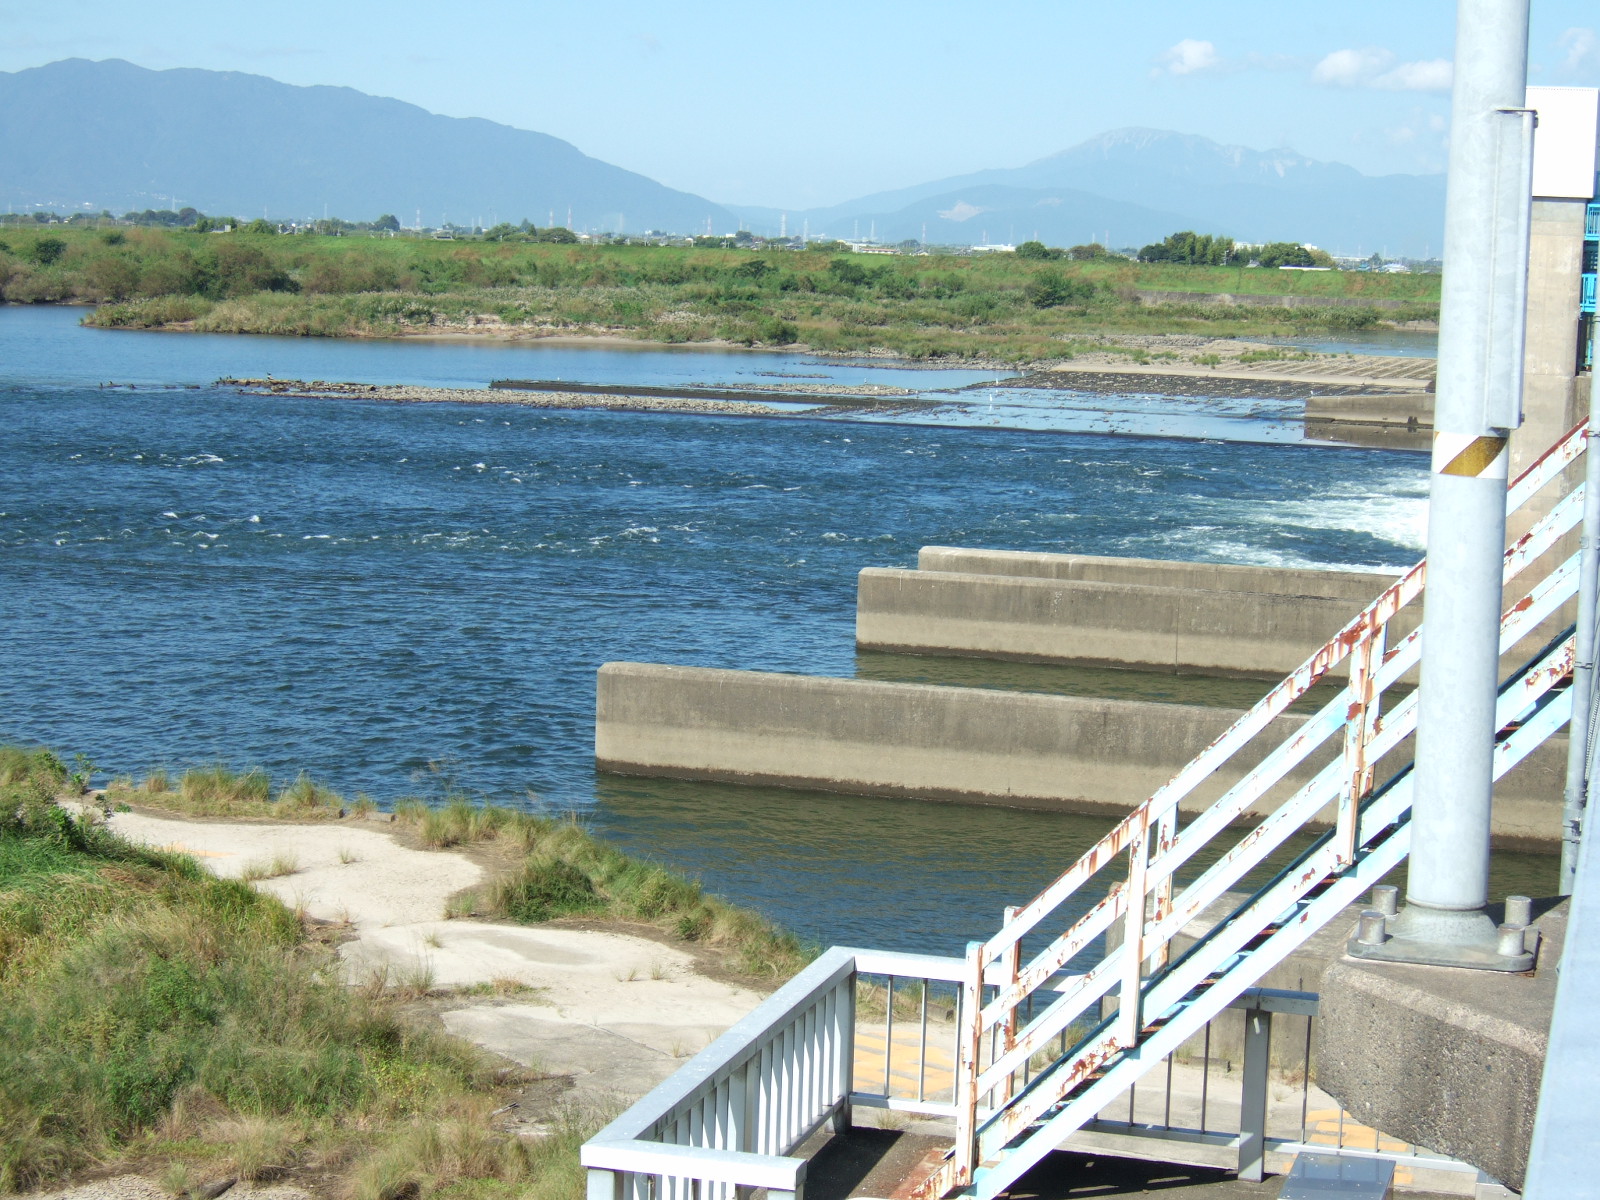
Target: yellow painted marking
{"x":1474,"y":459}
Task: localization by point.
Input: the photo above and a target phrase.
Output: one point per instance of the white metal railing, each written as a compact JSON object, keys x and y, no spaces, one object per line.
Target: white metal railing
{"x":732,"y":1116}
{"x":1159,"y":1002}
{"x":688,"y":1138}
{"x":1045,"y":1031}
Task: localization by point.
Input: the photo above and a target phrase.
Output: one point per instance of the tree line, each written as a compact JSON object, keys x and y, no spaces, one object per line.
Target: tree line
{"x":1191,"y":249}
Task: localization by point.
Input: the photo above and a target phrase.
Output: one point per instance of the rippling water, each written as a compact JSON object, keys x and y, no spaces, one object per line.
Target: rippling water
{"x":360,"y":589}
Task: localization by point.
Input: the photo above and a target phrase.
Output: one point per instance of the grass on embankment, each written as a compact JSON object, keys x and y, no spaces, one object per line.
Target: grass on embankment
{"x":994,"y":307}
{"x":549,"y":867}
{"x":153,"y":1017}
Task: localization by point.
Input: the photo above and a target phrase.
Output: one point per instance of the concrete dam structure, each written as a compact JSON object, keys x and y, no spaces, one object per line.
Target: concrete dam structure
{"x":1017,"y":748}
{"x":1179,"y":617}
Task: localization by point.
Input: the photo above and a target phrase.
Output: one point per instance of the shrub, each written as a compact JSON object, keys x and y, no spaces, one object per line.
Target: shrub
{"x":1049,"y":289}
{"x":47,"y":250}
{"x":543,"y":888}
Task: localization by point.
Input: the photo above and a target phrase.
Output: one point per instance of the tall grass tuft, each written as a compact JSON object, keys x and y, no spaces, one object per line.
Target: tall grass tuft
{"x":217,"y":790}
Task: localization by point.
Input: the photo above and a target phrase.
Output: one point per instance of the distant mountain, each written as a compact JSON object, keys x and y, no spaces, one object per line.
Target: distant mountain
{"x":114,"y":135}
{"x":1141,"y":184}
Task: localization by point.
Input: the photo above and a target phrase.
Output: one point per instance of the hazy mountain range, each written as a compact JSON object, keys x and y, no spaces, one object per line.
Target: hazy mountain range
{"x":80,"y":134}
{"x":1138,"y":185}
{"x":113,"y":135}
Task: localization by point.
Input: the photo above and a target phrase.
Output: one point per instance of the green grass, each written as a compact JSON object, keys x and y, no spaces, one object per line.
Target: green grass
{"x":156,"y":1017}
{"x":557,"y":868}
{"x":928,"y":307}
{"x":552,"y":867}
{"x":218,"y":790}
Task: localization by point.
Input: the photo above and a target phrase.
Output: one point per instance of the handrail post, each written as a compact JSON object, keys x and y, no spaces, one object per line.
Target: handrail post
{"x":1130,"y":1001}
{"x":1253,"y":1100}
{"x":964,"y":1160}
{"x":1013,"y":969}
{"x":1166,"y":835}
{"x":603,"y":1185}
{"x":1575,"y":799}
{"x":1360,"y":724}
{"x":844,"y":1053}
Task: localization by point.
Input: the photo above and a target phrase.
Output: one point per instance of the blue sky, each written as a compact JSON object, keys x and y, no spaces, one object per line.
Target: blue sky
{"x":815,"y":103}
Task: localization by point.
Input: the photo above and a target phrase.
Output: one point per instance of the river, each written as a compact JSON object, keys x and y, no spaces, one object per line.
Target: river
{"x":188,"y":575}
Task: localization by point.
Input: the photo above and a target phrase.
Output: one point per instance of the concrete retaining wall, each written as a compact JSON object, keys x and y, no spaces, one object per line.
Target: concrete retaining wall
{"x":1359,"y":586}
{"x":1263,"y":634}
{"x":946,"y":743}
{"x":1411,"y":410}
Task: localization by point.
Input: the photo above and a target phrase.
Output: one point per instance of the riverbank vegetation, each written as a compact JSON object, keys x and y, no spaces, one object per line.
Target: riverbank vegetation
{"x":548,"y":866}
{"x":157,"y":1019}
{"x":1002,"y":307}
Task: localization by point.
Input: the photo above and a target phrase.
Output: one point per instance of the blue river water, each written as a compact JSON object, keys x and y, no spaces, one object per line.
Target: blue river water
{"x":188,"y":574}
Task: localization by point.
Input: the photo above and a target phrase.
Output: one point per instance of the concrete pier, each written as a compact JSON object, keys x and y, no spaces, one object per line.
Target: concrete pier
{"x":1209,"y":618}
{"x":1022,"y":749}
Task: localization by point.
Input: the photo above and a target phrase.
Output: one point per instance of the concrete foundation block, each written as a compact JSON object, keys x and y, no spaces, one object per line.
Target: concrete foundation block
{"x":1446,"y":1058}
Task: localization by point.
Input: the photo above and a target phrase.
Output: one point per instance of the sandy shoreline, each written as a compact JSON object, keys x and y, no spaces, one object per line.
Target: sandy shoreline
{"x":609,"y":1012}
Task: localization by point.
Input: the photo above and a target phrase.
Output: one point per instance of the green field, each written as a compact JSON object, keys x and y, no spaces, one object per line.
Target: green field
{"x":991,"y":307}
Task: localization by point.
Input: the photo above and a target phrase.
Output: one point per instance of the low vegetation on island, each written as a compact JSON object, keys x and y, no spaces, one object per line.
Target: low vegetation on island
{"x":1034,"y":305}
{"x":158,"y":1019}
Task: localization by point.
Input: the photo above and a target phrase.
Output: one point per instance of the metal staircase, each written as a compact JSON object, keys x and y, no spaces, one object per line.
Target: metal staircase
{"x":1049,"y":1029}
{"x":1053,"y":1028}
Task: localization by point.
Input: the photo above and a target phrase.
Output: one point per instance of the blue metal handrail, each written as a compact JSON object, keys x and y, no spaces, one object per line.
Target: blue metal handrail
{"x":1586,"y":294}
{"x":1591,"y":222}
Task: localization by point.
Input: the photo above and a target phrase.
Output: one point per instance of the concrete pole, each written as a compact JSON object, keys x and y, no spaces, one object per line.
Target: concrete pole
{"x":1478,"y":403}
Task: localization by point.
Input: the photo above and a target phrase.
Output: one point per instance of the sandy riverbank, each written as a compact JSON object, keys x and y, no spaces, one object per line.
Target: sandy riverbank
{"x":608,"y":1012}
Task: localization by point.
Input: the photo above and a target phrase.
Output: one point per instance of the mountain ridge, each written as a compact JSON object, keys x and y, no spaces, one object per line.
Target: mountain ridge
{"x":120,"y":136}
{"x":114,"y":135}
{"x":1251,"y":195}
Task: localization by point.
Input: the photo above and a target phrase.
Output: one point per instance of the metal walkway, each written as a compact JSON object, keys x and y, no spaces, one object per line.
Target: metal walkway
{"x":1051,"y":1027}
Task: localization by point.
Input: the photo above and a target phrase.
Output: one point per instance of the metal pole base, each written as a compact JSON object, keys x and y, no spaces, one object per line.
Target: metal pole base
{"x":1438,"y":937}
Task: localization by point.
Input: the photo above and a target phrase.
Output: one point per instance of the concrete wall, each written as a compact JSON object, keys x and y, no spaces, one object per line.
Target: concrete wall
{"x":1411,"y":410}
{"x":1292,"y":581}
{"x":1552,"y":404}
{"x":946,"y":743}
{"x":1179,"y":628}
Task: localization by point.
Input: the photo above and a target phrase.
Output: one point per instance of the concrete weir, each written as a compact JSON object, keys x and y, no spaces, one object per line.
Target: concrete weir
{"x":1021,"y":749}
{"x":1211,"y":618}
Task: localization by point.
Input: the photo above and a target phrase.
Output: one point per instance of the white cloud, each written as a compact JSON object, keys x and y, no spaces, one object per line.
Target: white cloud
{"x":1432,"y":75}
{"x":1351,"y":68}
{"x":1375,"y":67}
{"x":1580,"y":47}
{"x":1188,"y":57}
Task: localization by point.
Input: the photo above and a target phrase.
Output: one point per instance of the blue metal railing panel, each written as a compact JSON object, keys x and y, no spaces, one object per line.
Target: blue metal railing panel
{"x":1586,"y":294}
{"x":1591,"y":222}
